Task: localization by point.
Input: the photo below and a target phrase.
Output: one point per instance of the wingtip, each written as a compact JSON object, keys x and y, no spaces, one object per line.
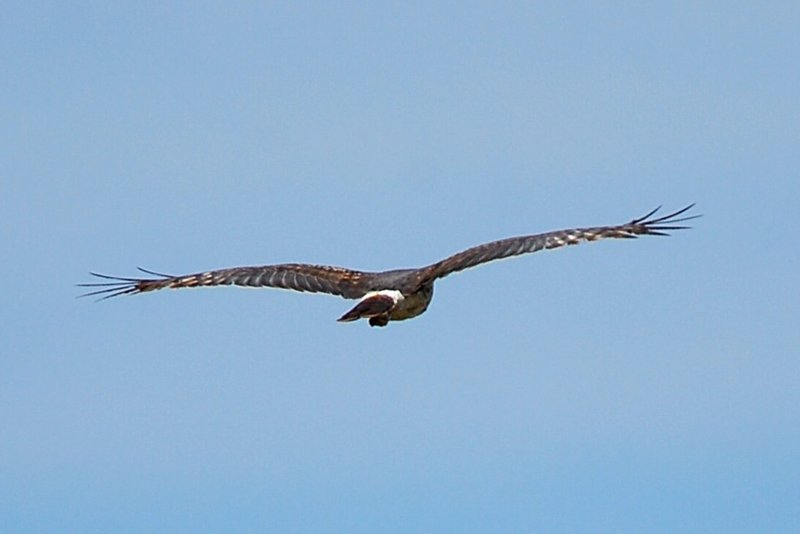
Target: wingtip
{"x":154,"y":273}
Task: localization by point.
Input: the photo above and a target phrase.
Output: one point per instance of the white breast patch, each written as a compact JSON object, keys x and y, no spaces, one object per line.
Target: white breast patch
{"x":394,"y":294}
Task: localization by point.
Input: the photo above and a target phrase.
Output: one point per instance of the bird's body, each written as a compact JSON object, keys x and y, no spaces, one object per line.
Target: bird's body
{"x":386,"y":305}
{"x":385,"y":296}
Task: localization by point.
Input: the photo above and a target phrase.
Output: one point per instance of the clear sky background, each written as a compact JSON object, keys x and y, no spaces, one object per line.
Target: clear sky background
{"x":619,"y":386}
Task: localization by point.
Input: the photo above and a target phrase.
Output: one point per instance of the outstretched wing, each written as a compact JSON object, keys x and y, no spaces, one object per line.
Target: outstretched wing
{"x":515,"y":246}
{"x":297,"y":276}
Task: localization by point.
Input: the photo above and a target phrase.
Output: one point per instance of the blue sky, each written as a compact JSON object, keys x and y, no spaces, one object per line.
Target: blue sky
{"x":619,"y":386}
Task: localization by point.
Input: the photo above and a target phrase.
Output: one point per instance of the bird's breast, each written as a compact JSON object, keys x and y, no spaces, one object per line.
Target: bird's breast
{"x":412,"y":305}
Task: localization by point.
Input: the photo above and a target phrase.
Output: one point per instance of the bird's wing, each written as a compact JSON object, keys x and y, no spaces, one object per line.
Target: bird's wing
{"x":299,"y":277}
{"x":514,"y":246}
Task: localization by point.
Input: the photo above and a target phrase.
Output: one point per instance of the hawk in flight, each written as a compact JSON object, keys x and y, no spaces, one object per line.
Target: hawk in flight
{"x":389,"y":295}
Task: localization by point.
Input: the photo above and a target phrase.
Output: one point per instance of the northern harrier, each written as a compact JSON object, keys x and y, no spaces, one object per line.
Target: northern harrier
{"x":389,"y":295}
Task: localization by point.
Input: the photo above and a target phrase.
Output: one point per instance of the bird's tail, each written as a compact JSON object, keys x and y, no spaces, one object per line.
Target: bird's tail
{"x":372,"y":306}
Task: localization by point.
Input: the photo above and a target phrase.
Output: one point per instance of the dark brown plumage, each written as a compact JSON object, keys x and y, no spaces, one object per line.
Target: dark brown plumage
{"x":298,"y":276}
{"x":389,"y":295}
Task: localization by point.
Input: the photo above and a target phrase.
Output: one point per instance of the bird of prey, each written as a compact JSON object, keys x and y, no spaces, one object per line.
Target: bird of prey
{"x":386,"y":296}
